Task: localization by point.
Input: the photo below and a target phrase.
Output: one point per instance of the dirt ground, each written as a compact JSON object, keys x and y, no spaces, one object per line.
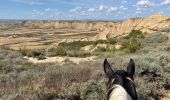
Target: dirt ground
{"x":61,"y":60}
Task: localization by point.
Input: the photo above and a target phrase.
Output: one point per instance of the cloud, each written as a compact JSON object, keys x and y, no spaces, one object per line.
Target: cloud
{"x":46,"y":13}
{"x":91,"y":10}
{"x":37,"y":13}
{"x":75,"y":9}
{"x":123,"y":7}
{"x":165,"y":2}
{"x":101,"y":7}
{"x":70,"y":2}
{"x":112,"y":9}
{"x":29,"y":2}
{"x":145,"y":4}
{"x":48,"y":9}
{"x":123,"y":2}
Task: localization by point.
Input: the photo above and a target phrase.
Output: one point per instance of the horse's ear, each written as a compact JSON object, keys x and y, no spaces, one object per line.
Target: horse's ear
{"x":131,"y":69}
{"x":107,"y":68}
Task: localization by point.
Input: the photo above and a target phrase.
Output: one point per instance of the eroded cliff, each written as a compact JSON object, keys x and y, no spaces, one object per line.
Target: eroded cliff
{"x":149,"y":24}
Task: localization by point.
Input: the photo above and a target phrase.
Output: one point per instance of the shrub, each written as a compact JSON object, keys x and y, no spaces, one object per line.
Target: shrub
{"x":76,"y":45}
{"x":101,"y":49}
{"x":111,"y":41}
{"x":132,"y":42}
{"x":78,"y":54}
{"x":59,"y":51}
{"x":132,"y":46}
{"x":165,"y":30}
{"x":136,"y":34}
{"x":31,"y":53}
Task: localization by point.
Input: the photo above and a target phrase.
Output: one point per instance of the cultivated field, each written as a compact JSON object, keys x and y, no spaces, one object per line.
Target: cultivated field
{"x":38,"y":38}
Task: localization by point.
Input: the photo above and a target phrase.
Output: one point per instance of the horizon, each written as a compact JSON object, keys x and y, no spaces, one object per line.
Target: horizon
{"x":104,"y":10}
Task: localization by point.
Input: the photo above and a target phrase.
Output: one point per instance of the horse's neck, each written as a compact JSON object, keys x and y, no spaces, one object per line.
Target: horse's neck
{"x":119,"y":93}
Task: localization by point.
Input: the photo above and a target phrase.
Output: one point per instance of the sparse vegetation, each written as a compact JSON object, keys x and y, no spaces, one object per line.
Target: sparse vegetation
{"x":21,"y":80}
{"x":84,"y":81}
{"x":76,"y":45}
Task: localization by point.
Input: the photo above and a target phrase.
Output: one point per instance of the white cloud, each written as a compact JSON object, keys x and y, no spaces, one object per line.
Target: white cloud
{"x":75,"y":9}
{"x":145,"y":4}
{"x":37,"y":13}
{"x":123,"y":2}
{"x":165,"y":2}
{"x":138,"y":12}
{"x":123,"y":7}
{"x":100,"y":10}
{"x":48,"y":9}
{"x":101,"y":7}
{"x":91,"y":10}
{"x":29,"y":2}
{"x":57,"y":13}
{"x":161,"y":12}
{"x":111,"y":9}
{"x":46,"y":13}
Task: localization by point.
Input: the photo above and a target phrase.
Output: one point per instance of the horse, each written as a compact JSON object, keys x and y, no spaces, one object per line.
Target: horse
{"x":120,"y":85}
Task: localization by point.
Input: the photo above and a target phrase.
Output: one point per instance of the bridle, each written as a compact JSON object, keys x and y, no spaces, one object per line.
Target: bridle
{"x":114,"y":86}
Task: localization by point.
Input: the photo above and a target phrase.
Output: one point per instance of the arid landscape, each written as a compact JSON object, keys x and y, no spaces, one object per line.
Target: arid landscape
{"x":63,"y":60}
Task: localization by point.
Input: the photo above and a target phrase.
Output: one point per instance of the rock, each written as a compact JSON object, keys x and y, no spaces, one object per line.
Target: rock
{"x":117,"y":46}
{"x":103,"y":46}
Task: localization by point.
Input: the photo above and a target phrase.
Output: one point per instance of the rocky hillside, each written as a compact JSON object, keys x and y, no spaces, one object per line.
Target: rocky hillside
{"x":149,"y":24}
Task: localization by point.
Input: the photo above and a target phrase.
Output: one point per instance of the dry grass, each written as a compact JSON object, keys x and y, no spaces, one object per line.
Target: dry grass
{"x":20,"y":79}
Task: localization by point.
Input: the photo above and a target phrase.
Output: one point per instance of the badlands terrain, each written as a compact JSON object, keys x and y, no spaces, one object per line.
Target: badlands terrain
{"x":43,"y":34}
{"x":63,"y":60}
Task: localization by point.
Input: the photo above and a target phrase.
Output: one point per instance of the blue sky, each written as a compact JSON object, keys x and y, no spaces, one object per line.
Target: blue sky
{"x":81,"y":9}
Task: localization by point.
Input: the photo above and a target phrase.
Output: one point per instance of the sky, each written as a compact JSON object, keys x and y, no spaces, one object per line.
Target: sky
{"x":81,"y":9}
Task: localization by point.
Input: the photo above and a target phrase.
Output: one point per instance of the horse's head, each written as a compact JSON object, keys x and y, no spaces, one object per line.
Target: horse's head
{"x":122,"y":78}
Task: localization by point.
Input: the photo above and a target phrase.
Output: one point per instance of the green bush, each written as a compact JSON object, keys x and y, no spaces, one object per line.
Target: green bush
{"x":111,"y":41}
{"x":76,"y":45}
{"x":136,"y":34}
{"x":59,"y":51}
{"x":132,"y":42}
{"x":31,"y":53}
{"x":132,"y":46}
